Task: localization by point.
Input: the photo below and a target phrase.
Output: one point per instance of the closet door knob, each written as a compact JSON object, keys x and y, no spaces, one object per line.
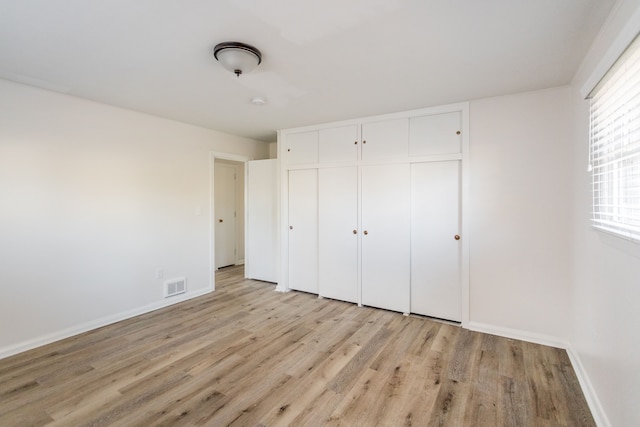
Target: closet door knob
{"x":220,"y":220}
{"x":457,"y":237}
{"x":366,"y":232}
{"x":355,"y":232}
{"x":291,"y":227}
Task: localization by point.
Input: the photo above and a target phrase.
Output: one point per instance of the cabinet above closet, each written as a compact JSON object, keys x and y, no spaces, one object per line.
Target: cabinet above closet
{"x":415,"y":135}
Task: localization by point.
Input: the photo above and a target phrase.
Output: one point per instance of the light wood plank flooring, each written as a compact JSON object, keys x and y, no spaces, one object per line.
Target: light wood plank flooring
{"x":248,"y":356}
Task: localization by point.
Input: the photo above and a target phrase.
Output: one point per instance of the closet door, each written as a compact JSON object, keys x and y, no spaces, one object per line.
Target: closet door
{"x":339,"y":144}
{"x":435,"y":250}
{"x":386,"y":240}
{"x":302,"y":148}
{"x":303,"y":230}
{"x":386,"y":139}
{"x":338,"y":233}
{"x":435,"y":134}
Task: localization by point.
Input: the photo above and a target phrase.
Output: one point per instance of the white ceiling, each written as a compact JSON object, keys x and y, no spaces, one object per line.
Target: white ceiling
{"x":322,"y":60}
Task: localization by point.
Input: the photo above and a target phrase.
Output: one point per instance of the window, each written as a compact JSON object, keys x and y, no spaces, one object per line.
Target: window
{"x":614,"y":147}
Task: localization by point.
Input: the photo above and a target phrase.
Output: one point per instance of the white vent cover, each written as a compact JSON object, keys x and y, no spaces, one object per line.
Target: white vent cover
{"x":175,"y":286}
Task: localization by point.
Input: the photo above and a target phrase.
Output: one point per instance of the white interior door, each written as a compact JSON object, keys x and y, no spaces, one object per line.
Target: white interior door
{"x":338,"y":233}
{"x":262,"y":238}
{"x":386,"y":214}
{"x":225,"y":214}
{"x":435,"y":251}
{"x":303,"y":230}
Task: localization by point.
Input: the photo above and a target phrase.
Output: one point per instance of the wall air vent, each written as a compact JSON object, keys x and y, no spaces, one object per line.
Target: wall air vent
{"x":175,"y":287}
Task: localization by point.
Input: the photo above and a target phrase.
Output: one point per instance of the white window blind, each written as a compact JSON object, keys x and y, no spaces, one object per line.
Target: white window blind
{"x":614,"y":149}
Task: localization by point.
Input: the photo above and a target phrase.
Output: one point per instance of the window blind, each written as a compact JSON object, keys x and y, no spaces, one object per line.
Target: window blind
{"x":614,"y":146}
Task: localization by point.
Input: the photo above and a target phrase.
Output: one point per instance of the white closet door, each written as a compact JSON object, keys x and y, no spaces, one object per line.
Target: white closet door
{"x":435,"y":134}
{"x":262,"y":232}
{"x":386,"y":214}
{"x":338,"y":233}
{"x":302,"y":148}
{"x":339,"y":144}
{"x":303,"y":230}
{"x":386,"y":139}
{"x":435,"y":251}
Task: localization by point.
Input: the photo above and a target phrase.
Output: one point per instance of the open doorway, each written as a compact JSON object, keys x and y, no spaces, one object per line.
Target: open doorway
{"x":232,"y":251}
{"x":228,"y":212}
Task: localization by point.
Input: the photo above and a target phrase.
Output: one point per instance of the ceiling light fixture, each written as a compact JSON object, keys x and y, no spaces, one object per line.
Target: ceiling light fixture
{"x":237,"y":57}
{"x":258,"y":100}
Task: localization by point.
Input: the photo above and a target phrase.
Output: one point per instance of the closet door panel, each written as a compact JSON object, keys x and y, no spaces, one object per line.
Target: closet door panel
{"x":302,"y":148}
{"x":386,"y":139}
{"x":386,"y":240}
{"x":339,"y":144}
{"x":435,"y":134}
{"x":303,"y":230}
{"x":435,"y":252}
{"x":338,"y":233}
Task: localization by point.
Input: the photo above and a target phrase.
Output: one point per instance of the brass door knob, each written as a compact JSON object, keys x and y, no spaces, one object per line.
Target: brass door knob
{"x":457,"y":237}
{"x":220,"y":220}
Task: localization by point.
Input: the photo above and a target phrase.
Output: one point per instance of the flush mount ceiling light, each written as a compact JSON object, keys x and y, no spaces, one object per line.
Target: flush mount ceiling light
{"x":258,"y":100}
{"x":237,"y":57}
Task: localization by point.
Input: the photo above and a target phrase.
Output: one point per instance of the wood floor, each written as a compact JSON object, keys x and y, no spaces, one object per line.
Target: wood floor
{"x":248,"y":356}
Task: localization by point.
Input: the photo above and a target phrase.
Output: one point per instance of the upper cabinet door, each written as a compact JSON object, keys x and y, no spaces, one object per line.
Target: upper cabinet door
{"x":339,"y":144}
{"x":302,"y":148}
{"x":387,"y":139}
{"x":435,"y":134}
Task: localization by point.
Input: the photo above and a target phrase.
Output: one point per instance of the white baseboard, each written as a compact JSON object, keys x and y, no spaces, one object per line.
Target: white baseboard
{"x":517,"y":334}
{"x":94,"y":324}
{"x":597,"y":411}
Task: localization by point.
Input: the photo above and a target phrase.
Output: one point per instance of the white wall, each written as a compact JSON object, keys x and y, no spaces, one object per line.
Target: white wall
{"x":273,"y":150}
{"x":520,"y":221}
{"x":93,"y":200}
{"x":605,"y":341}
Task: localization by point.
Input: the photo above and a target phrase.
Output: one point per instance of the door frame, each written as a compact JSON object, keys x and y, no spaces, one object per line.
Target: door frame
{"x":213,"y":155}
